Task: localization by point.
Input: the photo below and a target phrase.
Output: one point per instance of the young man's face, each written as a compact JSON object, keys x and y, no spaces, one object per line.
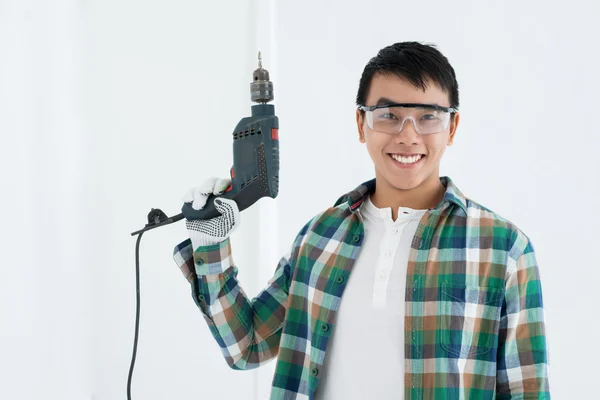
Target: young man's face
{"x":404,"y":176}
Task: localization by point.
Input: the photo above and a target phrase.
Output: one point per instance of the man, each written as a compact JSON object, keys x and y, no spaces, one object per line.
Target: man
{"x":405,"y":288}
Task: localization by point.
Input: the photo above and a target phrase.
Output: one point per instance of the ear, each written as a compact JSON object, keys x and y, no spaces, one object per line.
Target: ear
{"x":360,"y":125}
{"x":453,"y":126}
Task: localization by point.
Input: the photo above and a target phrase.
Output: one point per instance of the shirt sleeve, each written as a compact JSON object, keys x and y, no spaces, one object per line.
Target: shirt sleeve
{"x":522,"y":367}
{"x":248,"y":331}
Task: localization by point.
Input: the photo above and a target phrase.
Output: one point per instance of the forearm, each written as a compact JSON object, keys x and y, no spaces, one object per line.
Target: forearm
{"x":522,"y":371}
{"x":247,"y":331}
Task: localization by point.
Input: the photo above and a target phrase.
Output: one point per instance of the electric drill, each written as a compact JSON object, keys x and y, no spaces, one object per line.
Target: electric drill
{"x":255,"y":171}
{"x":255,"y":174}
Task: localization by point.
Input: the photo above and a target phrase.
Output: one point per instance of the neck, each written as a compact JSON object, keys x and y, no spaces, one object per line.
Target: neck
{"x":427,"y":195}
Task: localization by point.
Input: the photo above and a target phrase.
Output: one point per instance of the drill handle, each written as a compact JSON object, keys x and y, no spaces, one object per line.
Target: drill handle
{"x":209,"y":210}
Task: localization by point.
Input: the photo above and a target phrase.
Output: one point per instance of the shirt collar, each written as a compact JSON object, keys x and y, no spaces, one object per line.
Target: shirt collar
{"x":405,"y":214}
{"x":357,"y":196}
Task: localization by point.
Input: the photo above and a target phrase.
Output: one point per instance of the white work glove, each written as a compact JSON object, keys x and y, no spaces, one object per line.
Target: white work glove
{"x":217,"y":229}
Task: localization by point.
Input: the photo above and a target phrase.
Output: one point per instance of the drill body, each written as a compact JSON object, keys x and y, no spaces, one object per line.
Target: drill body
{"x":255,"y":170}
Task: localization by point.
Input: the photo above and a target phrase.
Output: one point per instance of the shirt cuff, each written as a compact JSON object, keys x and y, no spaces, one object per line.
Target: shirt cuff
{"x":213,"y":259}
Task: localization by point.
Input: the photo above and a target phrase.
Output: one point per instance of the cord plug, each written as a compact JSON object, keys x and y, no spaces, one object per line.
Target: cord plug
{"x":156,"y":216}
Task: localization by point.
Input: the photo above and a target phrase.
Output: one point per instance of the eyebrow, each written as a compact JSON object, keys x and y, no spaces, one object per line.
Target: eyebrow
{"x":384,"y":100}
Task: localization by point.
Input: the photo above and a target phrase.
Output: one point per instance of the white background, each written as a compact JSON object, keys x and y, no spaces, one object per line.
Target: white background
{"x":109,"y":108}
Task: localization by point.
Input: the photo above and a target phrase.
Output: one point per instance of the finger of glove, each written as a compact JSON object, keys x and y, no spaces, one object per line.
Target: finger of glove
{"x":231,"y":216}
{"x":220,"y":185}
{"x":196,"y":197}
{"x":205,"y":188}
{"x":226,"y":206}
{"x":200,"y":198}
{"x":214,"y":186}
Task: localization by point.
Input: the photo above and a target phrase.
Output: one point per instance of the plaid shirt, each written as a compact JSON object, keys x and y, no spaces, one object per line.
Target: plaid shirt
{"x":474,"y":318}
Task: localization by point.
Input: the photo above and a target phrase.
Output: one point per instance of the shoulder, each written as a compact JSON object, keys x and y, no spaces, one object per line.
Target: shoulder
{"x":331,"y":223}
{"x":499,"y":231}
{"x":324,"y":228}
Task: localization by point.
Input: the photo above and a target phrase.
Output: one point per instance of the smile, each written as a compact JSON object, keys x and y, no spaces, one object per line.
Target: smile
{"x":407,"y":160}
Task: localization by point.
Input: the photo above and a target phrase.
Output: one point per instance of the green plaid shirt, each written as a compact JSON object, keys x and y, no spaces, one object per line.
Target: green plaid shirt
{"x":474,"y":318}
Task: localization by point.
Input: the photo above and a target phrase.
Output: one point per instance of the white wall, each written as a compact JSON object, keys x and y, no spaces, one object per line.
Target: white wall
{"x":45,"y":349}
{"x":110,"y":108}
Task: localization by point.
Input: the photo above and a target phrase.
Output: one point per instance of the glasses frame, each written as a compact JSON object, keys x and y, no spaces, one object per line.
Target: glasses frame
{"x":450,"y":110}
{"x":409,"y":105}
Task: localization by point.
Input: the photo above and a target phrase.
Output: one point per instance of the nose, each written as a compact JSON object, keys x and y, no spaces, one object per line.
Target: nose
{"x":408,"y":133}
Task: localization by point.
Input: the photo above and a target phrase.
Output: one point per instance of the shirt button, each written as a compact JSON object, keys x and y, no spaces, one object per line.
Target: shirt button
{"x":199,"y":261}
{"x":324,"y":327}
{"x":356,"y":238}
{"x":340,"y":279}
{"x":387,"y":254}
{"x":381,"y":276}
{"x":315,"y":372}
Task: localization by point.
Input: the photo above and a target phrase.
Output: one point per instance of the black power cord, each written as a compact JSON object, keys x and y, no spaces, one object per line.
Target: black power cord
{"x":137,"y":313}
{"x":156,"y":218}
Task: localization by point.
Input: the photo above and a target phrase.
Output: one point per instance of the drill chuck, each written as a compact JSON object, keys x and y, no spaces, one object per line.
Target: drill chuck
{"x":261,"y":88}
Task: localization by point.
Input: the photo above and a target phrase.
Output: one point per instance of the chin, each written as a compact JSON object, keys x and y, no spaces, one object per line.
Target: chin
{"x":406,"y":181}
{"x":405,"y":185}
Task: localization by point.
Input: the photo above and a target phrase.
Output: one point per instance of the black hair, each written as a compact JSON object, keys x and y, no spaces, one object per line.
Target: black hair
{"x":416,"y":62}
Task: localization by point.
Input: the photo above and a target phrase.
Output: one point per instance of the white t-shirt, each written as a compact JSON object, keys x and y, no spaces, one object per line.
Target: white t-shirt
{"x":365,"y":354}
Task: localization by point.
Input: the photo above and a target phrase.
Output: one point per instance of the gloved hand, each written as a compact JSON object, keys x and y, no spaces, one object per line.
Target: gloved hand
{"x":217,"y":229}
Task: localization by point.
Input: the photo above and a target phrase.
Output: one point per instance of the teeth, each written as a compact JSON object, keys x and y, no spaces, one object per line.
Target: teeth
{"x":406,"y":160}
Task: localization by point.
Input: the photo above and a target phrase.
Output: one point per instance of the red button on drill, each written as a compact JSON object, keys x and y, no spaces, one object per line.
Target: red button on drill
{"x":232,"y":173}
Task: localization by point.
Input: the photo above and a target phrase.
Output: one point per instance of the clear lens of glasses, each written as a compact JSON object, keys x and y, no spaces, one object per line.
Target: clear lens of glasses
{"x":392,"y":119}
